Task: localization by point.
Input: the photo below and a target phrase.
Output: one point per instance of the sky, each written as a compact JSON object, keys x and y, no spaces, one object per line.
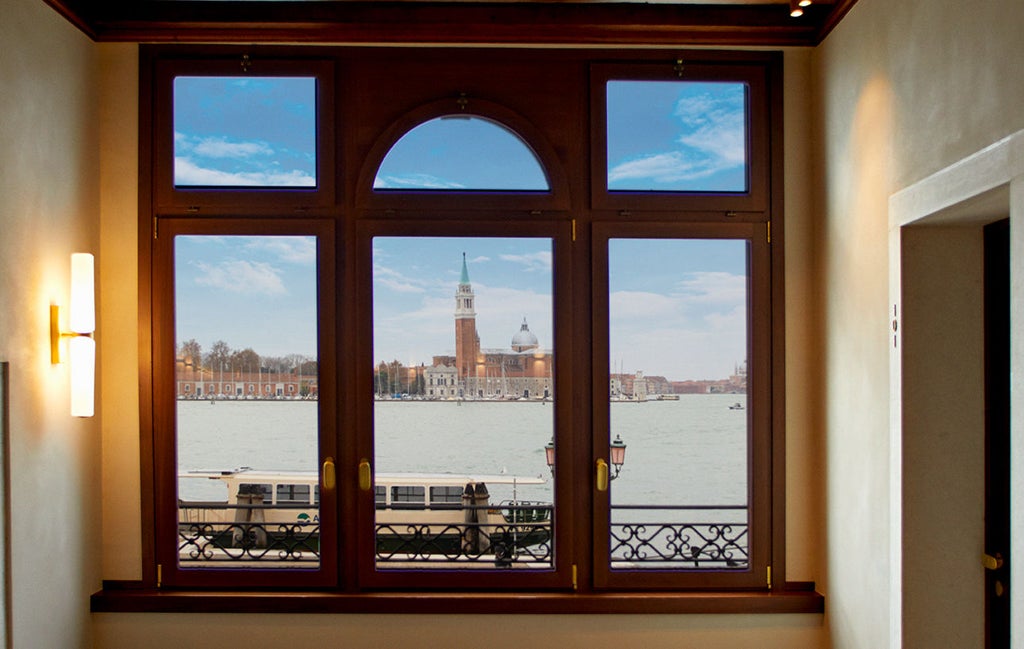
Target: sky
{"x":676,"y":136}
{"x":245,"y":131}
{"x":257,"y":292}
{"x":677,"y":308}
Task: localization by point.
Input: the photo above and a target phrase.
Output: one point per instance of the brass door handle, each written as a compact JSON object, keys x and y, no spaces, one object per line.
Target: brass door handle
{"x":992,"y":562}
{"x":328,"y":476}
{"x":365,"y":476}
{"x":602,"y":475}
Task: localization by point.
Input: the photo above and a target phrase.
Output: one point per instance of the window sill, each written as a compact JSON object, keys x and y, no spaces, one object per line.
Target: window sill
{"x":798,"y":598}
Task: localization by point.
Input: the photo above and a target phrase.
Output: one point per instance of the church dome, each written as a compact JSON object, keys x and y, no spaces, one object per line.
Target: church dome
{"x":524,"y":339}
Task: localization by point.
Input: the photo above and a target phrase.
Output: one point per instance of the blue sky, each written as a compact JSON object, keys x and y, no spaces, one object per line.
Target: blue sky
{"x":678,"y":308}
{"x":414,"y":286}
{"x":242,"y":131}
{"x":457,"y":153}
{"x":257,"y":292}
{"x":676,"y":136}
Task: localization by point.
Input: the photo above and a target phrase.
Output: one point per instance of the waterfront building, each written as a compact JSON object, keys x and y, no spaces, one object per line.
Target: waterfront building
{"x":524,"y":370}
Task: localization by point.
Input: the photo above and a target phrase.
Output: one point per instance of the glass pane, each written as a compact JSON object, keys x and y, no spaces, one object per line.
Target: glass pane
{"x":247,"y":408}
{"x":245,"y":132}
{"x":463,"y":393}
{"x":677,"y":136}
{"x":461,"y":152}
{"x":678,"y":401}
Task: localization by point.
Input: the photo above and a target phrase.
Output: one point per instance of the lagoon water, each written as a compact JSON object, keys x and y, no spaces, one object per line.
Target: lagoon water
{"x":687,"y":452}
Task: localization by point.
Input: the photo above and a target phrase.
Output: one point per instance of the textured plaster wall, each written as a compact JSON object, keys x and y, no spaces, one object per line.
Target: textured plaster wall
{"x":901,"y":90}
{"x":49,"y":208}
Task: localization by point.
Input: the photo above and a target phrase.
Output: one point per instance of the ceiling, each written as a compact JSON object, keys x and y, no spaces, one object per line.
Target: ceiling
{"x":520,"y":22}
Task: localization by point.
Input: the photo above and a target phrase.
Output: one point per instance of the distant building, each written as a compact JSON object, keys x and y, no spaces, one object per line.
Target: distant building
{"x":525,"y":370}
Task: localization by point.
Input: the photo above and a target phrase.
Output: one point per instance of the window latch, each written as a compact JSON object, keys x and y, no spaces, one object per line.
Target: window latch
{"x":365,"y":477}
{"x":328,"y":474}
{"x":602,"y":475}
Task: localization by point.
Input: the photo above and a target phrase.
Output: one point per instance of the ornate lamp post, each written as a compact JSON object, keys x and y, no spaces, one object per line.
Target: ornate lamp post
{"x":617,"y":455}
{"x":549,"y":455}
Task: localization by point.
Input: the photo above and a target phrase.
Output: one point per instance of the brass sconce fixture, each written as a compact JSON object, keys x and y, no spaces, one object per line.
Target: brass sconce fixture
{"x":81,"y":354}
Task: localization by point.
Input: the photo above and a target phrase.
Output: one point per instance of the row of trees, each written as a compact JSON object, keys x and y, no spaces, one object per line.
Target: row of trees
{"x":221,"y":357}
{"x":396,"y":378}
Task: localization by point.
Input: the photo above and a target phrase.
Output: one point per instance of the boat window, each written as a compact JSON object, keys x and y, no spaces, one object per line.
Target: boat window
{"x":293,"y":493}
{"x":380,"y":496}
{"x":440,"y":496}
{"x":256,"y":493}
{"x":406,"y":497}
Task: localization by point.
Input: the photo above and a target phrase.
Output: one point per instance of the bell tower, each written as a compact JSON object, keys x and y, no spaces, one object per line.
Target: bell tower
{"x":467,"y":342}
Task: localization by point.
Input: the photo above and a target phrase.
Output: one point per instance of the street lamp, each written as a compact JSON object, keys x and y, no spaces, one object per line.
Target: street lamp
{"x":549,"y":455}
{"x":617,"y":454}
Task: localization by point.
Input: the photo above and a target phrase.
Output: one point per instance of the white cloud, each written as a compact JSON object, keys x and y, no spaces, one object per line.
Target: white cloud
{"x":697,"y":332}
{"x":241,"y":277}
{"x":662,"y":168}
{"x":293,"y":250}
{"x":642,"y":305}
{"x":396,"y":281}
{"x":414,"y":181}
{"x":717,"y":128}
{"x":713,"y":139}
{"x":534,"y":261}
{"x":222,"y":148}
{"x":714,"y":288}
{"x":188,"y":173}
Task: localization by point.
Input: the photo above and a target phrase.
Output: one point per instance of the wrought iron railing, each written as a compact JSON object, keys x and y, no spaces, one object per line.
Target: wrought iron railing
{"x":646,"y":540}
{"x":204,"y":538}
{"x":642,"y":537}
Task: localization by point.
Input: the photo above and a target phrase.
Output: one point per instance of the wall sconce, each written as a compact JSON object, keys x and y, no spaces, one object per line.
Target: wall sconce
{"x":81,"y":325}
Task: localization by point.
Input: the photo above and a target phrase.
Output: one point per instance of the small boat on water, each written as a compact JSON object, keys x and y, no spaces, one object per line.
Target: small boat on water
{"x":736,"y":406}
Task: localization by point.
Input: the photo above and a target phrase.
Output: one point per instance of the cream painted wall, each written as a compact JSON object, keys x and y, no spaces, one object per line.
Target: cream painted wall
{"x":119,"y":350}
{"x":49,"y":208}
{"x":902,"y":89}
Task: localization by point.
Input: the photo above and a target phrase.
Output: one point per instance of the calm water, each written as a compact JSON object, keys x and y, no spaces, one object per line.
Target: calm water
{"x":686,"y":452}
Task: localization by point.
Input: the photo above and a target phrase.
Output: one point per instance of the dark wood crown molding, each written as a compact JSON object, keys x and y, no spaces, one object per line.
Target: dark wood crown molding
{"x":428,"y":22}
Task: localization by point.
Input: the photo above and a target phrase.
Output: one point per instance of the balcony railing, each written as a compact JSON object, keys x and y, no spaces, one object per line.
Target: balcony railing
{"x":647,"y":541}
{"x":641,"y":537}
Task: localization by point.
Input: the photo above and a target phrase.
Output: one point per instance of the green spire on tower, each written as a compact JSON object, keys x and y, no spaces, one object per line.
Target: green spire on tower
{"x":465,"y":271}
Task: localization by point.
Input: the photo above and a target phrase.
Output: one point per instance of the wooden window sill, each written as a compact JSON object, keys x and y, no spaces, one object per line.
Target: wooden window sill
{"x":798,"y":598}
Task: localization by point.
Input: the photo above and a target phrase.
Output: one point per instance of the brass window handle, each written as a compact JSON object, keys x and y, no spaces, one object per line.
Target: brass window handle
{"x":992,"y":562}
{"x":602,"y":475}
{"x":365,"y":476}
{"x":328,"y":475}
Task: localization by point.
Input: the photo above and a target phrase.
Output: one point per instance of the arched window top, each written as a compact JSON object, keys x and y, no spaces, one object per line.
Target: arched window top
{"x":461,"y":152}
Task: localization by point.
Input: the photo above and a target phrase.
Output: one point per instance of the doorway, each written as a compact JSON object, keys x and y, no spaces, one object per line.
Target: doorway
{"x":997,"y":434}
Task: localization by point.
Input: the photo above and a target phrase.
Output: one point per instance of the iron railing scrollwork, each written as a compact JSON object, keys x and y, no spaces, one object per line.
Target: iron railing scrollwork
{"x":640,"y":537}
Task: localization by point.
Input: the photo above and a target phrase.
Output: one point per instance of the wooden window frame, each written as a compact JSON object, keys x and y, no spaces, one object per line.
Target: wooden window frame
{"x":557,"y":114}
{"x":698,"y":206}
{"x":164,"y":441}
